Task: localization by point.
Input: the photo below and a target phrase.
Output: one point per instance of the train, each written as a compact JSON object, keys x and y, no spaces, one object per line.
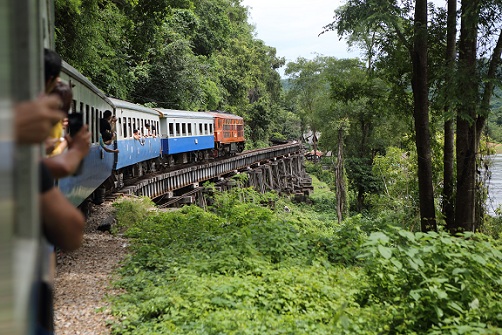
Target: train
{"x":180,"y":137}
{"x":167,"y":138}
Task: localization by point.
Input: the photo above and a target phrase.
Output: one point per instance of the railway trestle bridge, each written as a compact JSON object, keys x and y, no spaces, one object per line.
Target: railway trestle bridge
{"x":280,"y":168}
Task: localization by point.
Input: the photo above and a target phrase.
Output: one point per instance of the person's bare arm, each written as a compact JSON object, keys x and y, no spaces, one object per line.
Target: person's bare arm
{"x":62,"y":223}
{"x":67,"y":163}
{"x":35,"y":119}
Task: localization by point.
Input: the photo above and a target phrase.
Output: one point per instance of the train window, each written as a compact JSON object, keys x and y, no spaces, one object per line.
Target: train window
{"x":189,"y":125}
{"x":205,"y":129}
{"x":200,"y":129}
{"x":88,"y":115}
{"x":124,"y":127}
{"x":81,"y":110}
{"x":210,"y":128}
{"x":183,"y":129}
{"x":95,"y":114}
{"x":177,"y":129}
{"x":92,"y":123}
{"x":171,"y":130}
{"x":129,"y":127}
{"x":118,"y":127}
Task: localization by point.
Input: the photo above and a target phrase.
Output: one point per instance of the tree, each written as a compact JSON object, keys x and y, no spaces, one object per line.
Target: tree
{"x":421,"y":114}
{"x":388,"y":26}
{"x":310,"y":88}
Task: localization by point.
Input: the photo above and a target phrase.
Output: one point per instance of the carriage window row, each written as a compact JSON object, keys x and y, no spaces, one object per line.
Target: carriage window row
{"x":91,"y":117}
{"x":228,"y":122}
{"x":127,"y":125}
{"x":189,"y":129}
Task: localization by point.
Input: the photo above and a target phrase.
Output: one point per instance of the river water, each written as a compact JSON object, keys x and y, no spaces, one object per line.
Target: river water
{"x":495,"y":184}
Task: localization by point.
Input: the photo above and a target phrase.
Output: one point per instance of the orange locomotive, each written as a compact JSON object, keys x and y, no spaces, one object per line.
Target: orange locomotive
{"x":228,"y":133}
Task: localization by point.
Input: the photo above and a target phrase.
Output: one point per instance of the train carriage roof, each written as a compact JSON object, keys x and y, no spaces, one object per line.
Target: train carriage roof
{"x":74,"y":74}
{"x":117,"y":103}
{"x":166,"y":113}
{"x":225,"y":115}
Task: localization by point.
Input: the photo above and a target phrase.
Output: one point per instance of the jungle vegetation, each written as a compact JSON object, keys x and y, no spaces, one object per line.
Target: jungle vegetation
{"x":427,"y":84}
{"x":388,"y":245}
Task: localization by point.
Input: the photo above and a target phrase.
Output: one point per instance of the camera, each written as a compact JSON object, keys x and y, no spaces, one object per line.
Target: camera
{"x":75,"y":123}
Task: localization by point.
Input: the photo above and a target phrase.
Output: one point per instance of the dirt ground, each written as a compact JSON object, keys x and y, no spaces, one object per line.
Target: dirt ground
{"x":83,"y":279}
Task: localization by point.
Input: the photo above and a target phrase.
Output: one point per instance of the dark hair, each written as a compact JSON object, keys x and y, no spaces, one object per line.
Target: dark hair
{"x":135,"y":131}
{"x":147,"y":125}
{"x":52,"y":65}
{"x":107,"y":114}
{"x":106,"y":136}
{"x":65,"y":93}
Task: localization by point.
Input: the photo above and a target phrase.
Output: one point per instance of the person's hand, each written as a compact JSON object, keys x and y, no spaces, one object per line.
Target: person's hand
{"x":34,"y":119}
{"x":81,"y":141}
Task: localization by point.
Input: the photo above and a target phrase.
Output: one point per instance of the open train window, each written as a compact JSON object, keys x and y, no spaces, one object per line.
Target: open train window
{"x":177,"y":129}
{"x":171,"y":130}
{"x":94,"y":122}
{"x":183,"y":129}
{"x":88,"y":116}
{"x":124,"y":127}
{"x":210,"y":128}
{"x":200,"y":129}
{"x":205,"y":129}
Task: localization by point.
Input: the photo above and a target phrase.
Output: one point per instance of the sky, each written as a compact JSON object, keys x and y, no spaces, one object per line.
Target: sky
{"x":293,"y":26}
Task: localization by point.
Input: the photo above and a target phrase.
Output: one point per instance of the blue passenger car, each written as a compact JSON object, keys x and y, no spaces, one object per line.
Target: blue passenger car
{"x":89,"y":101}
{"x":142,"y":147}
{"x":186,"y":135}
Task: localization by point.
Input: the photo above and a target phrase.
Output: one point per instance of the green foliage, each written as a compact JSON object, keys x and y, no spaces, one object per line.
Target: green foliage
{"x":397,"y":172}
{"x":238,"y":269}
{"x":132,"y":211}
{"x":326,"y":176}
{"x":183,"y":54}
{"x":246,"y":268}
{"x":433,"y":281}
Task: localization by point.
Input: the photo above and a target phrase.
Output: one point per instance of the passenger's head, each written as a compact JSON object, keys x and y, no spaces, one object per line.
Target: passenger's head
{"x":65,"y":93}
{"x":107,"y":137}
{"x":147,"y":126}
{"x":52,"y":69}
{"x":107,"y":114}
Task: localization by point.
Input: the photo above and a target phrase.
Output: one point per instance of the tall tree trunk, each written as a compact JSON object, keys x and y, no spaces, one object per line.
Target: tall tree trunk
{"x":314,"y":142}
{"x":466,"y":119}
{"x":341,"y":197}
{"x":421,"y":115}
{"x":449,"y":131}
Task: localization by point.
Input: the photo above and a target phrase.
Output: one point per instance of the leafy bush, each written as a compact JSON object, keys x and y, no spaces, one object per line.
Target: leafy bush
{"x":132,"y":210}
{"x":433,"y":282}
{"x":244,"y":268}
